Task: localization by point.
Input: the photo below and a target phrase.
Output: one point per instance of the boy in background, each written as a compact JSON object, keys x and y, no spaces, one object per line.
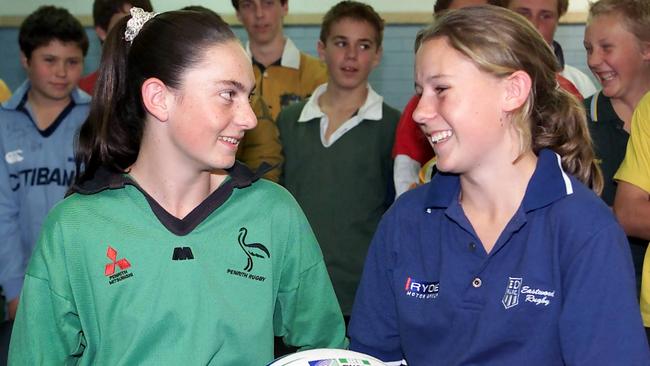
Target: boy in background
{"x":283,"y":75}
{"x":105,"y":14}
{"x":337,"y":146}
{"x":38,"y":126}
{"x":545,"y":16}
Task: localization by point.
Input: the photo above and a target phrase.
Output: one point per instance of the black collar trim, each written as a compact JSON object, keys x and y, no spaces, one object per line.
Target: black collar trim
{"x":263,"y":68}
{"x":240,"y":177}
{"x":50,"y":130}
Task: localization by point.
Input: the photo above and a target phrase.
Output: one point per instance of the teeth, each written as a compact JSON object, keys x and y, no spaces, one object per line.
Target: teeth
{"x":439,"y":136}
{"x":607,"y":76}
{"x":231,"y":140}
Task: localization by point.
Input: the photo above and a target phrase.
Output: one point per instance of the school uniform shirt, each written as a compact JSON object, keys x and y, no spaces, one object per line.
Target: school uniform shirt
{"x":635,"y":170}
{"x":610,"y":140}
{"x":36,"y":170}
{"x":556,"y":289}
{"x":288,"y":81}
{"x":342,"y":182}
{"x":116,"y":280}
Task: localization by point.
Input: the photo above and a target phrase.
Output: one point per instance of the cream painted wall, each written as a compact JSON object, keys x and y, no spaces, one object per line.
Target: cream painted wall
{"x":83,"y":7}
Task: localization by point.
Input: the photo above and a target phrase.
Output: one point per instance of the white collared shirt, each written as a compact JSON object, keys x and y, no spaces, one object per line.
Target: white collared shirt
{"x":370,"y":110}
{"x":290,"y":54}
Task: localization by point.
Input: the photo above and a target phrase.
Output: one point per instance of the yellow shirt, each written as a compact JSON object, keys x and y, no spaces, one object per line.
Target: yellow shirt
{"x":293,"y":80}
{"x":635,"y":169}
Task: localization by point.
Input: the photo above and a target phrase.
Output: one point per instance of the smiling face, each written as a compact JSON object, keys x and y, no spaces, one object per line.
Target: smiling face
{"x":54,"y":70}
{"x":459,"y":109}
{"x":350,"y":52}
{"x":542,"y":13}
{"x":616,"y":57}
{"x":211,"y":112}
{"x":262,"y":19}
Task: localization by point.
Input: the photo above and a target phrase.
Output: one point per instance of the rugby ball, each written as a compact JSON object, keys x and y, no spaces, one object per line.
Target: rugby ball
{"x":327,"y":357}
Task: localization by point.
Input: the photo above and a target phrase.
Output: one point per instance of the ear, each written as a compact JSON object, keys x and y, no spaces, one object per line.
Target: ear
{"x":320,"y":47}
{"x":24,"y":61}
{"x":156,"y":98}
{"x":378,"y":55}
{"x":101,"y":33}
{"x":516,"y":89}
{"x":645,"y":51}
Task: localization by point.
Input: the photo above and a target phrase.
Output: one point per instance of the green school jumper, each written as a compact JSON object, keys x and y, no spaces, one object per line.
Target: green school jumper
{"x":116,"y":280}
{"x":344,"y":189}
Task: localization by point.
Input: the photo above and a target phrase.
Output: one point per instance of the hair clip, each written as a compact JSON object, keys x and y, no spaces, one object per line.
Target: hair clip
{"x":133,"y":26}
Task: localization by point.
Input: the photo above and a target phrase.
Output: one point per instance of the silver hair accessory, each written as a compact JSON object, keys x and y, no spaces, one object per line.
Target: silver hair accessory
{"x":133,"y":26}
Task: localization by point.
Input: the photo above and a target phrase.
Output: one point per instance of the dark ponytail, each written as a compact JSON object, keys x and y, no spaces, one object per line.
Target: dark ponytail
{"x":165,"y":47}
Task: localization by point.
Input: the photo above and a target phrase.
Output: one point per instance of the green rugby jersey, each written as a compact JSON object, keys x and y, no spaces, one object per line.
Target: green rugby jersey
{"x":116,"y":280}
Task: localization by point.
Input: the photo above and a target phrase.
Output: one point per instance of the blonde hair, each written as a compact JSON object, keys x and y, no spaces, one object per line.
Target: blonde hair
{"x":635,"y":15}
{"x":500,"y":42}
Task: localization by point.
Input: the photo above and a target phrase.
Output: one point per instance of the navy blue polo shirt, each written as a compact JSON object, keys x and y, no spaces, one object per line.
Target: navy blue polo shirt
{"x":557,"y":288}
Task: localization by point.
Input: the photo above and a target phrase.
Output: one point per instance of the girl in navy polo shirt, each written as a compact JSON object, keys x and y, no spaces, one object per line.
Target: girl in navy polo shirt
{"x":506,"y":257}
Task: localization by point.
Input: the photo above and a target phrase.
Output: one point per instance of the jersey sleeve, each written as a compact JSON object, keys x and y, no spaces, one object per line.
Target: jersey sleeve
{"x":409,"y":140}
{"x":374,"y":324}
{"x":600,"y":323}
{"x":47,"y":330}
{"x":12,"y":255}
{"x":307,"y":312}
{"x":635,"y":168}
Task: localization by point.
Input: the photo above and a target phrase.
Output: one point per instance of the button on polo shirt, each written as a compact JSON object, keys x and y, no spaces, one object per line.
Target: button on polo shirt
{"x":544,"y":295}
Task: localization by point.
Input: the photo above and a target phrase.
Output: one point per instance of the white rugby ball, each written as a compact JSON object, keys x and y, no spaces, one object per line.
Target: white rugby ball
{"x":327,"y":357}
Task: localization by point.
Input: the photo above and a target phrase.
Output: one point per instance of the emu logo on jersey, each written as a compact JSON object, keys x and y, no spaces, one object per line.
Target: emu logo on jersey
{"x":251,"y":250}
{"x":421,"y":289}
{"x":511,"y":297}
{"x":122,"y":263}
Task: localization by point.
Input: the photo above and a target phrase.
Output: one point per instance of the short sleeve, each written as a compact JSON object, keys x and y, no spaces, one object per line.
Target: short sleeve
{"x":635,"y":168}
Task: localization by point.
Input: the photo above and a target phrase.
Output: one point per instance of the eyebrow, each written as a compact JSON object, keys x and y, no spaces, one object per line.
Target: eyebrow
{"x":234,"y":83}
{"x":344,"y":38}
{"x":435,"y":77}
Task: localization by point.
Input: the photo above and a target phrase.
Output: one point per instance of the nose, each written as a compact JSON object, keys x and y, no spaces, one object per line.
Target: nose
{"x":351,"y":52}
{"x":258,"y":12}
{"x":60,"y":69}
{"x":593,"y":58}
{"x":425,"y":112}
{"x":246,"y":117}
{"x":537,"y":22}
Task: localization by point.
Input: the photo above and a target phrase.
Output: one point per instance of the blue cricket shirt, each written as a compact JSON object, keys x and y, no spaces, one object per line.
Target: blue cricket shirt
{"x":37,"y":169}
{"x":557,"y":288}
